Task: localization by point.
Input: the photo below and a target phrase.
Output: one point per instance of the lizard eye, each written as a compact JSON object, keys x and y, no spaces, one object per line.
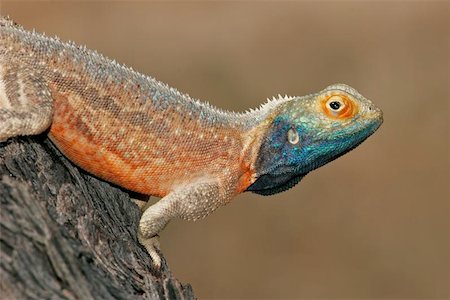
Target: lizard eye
{"x":335,"y":104}
{"x":339,"y":107}
{"x":292,"y":136}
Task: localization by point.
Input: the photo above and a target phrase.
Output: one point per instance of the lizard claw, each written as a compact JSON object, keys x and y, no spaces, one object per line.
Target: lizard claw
{"x":152,"y":246}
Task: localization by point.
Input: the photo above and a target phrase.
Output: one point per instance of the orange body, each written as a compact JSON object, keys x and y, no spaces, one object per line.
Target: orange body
{"x":147,"y":158}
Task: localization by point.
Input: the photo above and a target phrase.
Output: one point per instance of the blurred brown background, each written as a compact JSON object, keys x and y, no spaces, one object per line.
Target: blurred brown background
{"x":373,"y":224}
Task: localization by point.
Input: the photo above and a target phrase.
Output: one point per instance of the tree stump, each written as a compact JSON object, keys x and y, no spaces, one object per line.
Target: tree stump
{"x":67,"y":235}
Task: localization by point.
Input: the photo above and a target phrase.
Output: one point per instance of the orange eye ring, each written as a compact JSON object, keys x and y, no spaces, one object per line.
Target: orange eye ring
{"x":339,"y":107}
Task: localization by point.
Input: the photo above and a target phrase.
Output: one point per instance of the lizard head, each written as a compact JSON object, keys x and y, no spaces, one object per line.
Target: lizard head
{"x":304,"y":133}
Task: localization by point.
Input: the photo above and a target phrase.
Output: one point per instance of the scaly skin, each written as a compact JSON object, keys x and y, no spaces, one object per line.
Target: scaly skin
{"x":140,"y":134}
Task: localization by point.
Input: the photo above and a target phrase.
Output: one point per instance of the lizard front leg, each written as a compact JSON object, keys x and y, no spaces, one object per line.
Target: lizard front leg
{"x":26,"y":106}
{"x":189,"y":202}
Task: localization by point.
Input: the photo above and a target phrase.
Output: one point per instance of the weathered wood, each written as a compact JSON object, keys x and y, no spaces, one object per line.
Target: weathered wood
{"x":67,"y":235}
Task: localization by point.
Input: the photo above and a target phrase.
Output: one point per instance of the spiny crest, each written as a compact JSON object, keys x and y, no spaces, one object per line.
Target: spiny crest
{"x":72,"y":46}
{"x":275,"y":101}
{"x":7,"y":21}
{"x":146,"y":82}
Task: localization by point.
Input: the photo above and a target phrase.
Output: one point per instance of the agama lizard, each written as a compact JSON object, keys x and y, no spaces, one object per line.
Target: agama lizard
{"x":136,"y":132}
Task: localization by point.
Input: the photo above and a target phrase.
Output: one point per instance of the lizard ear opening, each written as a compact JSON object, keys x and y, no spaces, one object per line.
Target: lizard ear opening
{"x":292,"y":136}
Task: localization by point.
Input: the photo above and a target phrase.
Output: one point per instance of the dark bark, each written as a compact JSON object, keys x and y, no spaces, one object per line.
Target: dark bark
{"x":64,"y":234}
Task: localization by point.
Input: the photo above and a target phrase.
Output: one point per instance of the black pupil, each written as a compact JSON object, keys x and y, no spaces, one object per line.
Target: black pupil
{"x":335,"y":105}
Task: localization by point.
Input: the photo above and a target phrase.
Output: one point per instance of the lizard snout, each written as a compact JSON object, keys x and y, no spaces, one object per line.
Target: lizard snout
{"x":375,"y":113}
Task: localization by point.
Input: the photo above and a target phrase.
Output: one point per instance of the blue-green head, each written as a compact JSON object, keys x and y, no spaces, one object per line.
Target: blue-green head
{"x":304,"y":133}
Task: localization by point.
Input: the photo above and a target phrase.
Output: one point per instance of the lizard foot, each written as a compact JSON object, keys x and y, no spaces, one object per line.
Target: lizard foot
{"x":152,"y":246}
